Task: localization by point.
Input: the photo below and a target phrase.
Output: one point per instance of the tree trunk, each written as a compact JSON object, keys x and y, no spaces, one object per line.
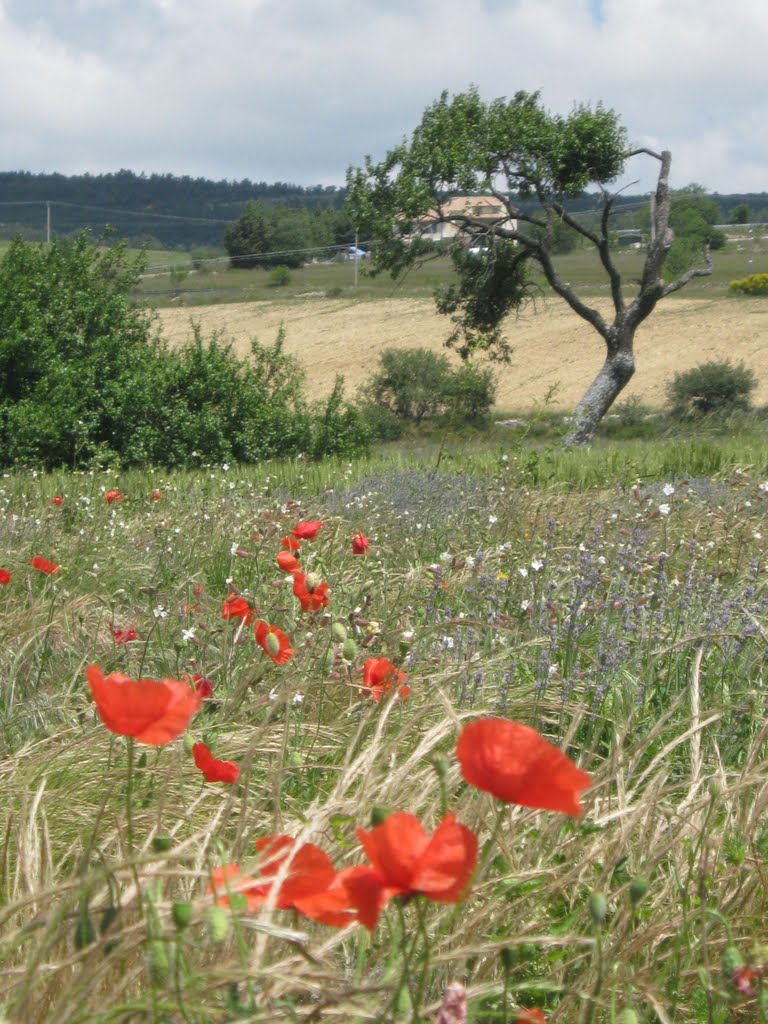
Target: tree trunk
{"x":614,"y":375}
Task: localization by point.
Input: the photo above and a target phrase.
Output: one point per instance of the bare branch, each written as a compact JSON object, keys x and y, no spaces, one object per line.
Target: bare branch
{"x":682,"y":281}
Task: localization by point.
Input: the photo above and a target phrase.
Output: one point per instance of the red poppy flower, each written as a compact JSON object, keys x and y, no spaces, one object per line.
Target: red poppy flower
{"x":43,"y":565}
{"x":532,"y":1016}
{"x":214,"y":770}
{"x":288,"y":562}
{"x":274,"y":642}
{"x":203,"y":686}
{"x":380,"y":675}
{"x":123,"y":636}
{"x":360,"y":544}
{"x":155,"y":496}
{"x":112,"y":496}
{"x":310,"y":591}
{"x":57,"y":500}
{"x":290,"y":543}
{"x":236,"y":607}
{"x":151,"y":712}
{"x":405,"y":862}
{"x":516,"y":764}
{"x":309,"y":872}
{"x":306,"y":531}
{"x":5,"y":577}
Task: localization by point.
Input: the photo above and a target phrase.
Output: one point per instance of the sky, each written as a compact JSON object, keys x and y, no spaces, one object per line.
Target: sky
{"x":298,"y":90}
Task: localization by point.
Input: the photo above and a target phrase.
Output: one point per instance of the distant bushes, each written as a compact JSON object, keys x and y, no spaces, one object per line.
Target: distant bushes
{"x":84,"y":378}
{"x":414,"y":384}
{"x":755,"y":284}
{"x":713,"y":388}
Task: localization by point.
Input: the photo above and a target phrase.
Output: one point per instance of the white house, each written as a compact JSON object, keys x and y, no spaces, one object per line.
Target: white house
{"x":488,"y":210}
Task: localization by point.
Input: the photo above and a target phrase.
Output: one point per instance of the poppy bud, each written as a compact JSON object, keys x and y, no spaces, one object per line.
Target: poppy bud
{"x":441,"y":766}
{"x":238,"y":902}
{"x":714,"y":788}
{"x":732,"y":961}
{"x":598,"y":908}
{"x":273,"y":644}
{"x":628,"y":1016}
{"x":159,"y":966}
{"x":349,"y":650}
{"x":181,"y":912}
{"x":188,"y":743}
{"x":339,"y":632}
{"x":218,"y":923}
{"x":379,"y":814}
{"x":160,"y":844}
{"x":638,"y":887}
{"x":403,"y":1004}
{"x":312,"y":581}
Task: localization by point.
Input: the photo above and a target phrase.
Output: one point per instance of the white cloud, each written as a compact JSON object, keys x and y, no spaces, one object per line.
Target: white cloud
{"x":296,"y":90}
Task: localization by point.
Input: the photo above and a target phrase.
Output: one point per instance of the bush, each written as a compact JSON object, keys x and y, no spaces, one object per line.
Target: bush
{"x":279,"y":277}
{"x":715,"y":388}
{"x":415,"y":384}
{"x":755,"y":284}
{"x":85,"y":380}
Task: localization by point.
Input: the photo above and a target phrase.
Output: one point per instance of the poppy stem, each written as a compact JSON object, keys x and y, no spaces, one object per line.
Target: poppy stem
{"x":129,"y":799}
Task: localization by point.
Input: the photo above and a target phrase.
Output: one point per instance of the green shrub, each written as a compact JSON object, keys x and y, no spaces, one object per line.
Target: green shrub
{"x":755,"y":284}
{"x":85,"y":380}
{"x":279,"y":277}
{"x":713,"y":388}
{"x":415,"y":384}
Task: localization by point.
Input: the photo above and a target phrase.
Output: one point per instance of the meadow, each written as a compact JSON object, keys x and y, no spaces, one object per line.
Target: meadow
{"x":613,"y":601}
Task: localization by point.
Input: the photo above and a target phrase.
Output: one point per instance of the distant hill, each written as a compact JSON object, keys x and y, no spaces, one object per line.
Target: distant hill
{"x":167,"y":212}
{"x":159,"y":210}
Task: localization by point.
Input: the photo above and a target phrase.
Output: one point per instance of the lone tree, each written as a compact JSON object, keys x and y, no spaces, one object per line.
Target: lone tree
{"x":532,"y":162}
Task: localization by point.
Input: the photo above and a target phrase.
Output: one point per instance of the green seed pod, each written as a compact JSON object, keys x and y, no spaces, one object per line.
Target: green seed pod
{"x":628,"y":1016}
{"x":159,"y":965}
{"x":339,"y":632}
{"x":403,"y":1004}
{"x":441,"y":765}
{"x":598,"y":908}
{"x":181,"y":912}
{"x":715,"y":789}
{"x":161,"y":844}
{"x":312,"y":581}
{"x":379,"y":814}
{"x":217,"y":921}
{"x":349,"y":649}
{"x":273,"y":644}
{"x":238,"y":902}
{"x":732,"y":961}
{"x":638,"y":887}
{"x":188,"y":743}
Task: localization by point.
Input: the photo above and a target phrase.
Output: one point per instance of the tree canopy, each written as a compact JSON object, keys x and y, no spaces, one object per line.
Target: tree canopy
{"x":532,"y":163}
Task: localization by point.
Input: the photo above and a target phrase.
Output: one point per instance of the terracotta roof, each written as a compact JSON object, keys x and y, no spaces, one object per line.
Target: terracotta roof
{"x":481,"y":207}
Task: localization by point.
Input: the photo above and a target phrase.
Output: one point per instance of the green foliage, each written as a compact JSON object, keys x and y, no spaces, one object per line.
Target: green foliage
{"x":278,"y":235}
{"x":84,"y":380}
{"x":755,"y":284}
{"x":740,"y":214}
{"x":464,"y":146}
{"x":279,"y":277}
{"x":713,"y":388}
{"x":414,"y":384}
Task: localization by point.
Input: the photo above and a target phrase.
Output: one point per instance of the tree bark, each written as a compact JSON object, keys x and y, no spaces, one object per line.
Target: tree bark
{"x":614,"y":375}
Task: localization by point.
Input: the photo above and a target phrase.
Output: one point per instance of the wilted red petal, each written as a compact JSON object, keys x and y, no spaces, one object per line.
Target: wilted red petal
{"x":310,"y":870}
{"x":288,"y":562}
{"x":57,"y":500}
{"x":214,"y":770}
{"x":151,"y":712}
{"x":155,"y":496}
{"x":514,"y":763}
{"x":44,"y":566}
{"x":112,"y":496}
{"x":123,"y":636}
{"x":5,"y":577}
{"x":532,"y":1016}
{"x":311,"y":599}
{"x":306,"y":531}
{"x":290,"y":543}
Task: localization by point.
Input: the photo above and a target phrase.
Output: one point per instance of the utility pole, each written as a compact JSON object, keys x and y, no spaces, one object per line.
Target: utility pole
{"x":356,"y":260}
{"x":48,"y":221}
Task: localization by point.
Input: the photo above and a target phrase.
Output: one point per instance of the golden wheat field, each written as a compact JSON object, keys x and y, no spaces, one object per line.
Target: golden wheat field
{"x":552,"y":347}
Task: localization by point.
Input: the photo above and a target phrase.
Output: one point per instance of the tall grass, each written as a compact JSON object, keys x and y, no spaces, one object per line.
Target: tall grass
{"x":620,"y":613}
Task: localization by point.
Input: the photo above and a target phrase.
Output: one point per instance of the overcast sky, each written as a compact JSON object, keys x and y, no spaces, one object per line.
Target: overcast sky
{"x":296,"y":90}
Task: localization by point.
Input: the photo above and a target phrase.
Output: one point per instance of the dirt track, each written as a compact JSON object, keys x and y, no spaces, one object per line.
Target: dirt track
{"x":551,"y":345}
